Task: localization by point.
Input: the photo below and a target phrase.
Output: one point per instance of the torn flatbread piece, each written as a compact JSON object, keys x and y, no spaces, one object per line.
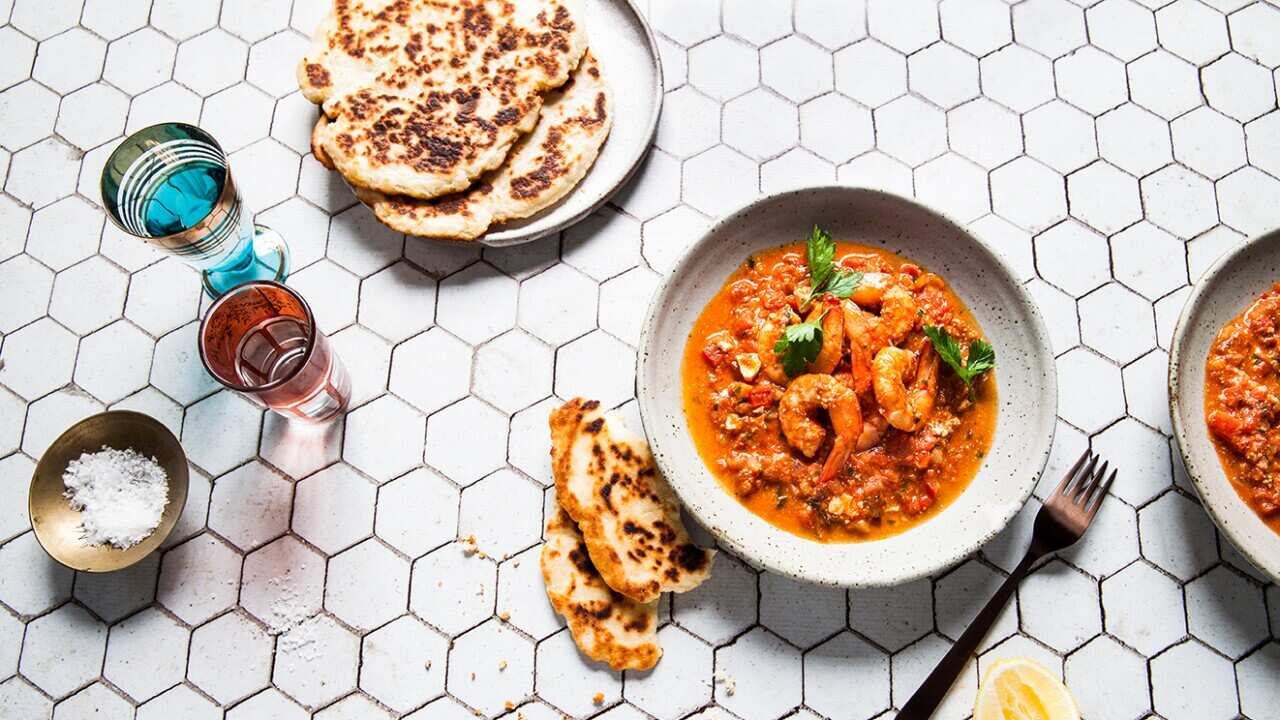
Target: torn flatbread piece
{"x":606,"y":625}
{"x":629,"y":516}
{"x":542,"y":168}
{"x":425,"y":96}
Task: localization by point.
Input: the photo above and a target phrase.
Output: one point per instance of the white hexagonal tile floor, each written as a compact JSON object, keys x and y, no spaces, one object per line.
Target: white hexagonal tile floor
{"x":387,"y":566}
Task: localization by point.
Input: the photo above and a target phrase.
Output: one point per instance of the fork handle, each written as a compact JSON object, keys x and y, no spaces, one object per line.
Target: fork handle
{"x":929,"y":695}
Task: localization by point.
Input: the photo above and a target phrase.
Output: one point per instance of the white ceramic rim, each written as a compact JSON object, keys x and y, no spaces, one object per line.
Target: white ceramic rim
{"x":833,"y":570}
{"x":1256,"y":541}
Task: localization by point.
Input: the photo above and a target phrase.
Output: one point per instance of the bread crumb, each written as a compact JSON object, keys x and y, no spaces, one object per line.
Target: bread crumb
{"x":509,"y":705}
{"x":597,"y":699}
{"x":473,"y":677}
{"x":427,"y":665}
{"x":730,"y":685}
{"x":504,"y":616}
{"x":502,"y":665}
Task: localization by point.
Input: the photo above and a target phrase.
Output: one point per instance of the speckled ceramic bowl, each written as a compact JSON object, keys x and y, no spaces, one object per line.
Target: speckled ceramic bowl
{"x":1025,"y":376}
{"x":1224,"y":291}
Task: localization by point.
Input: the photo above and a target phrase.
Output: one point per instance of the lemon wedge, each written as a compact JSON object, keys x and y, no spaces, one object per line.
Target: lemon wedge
{"x":1021,"y":689}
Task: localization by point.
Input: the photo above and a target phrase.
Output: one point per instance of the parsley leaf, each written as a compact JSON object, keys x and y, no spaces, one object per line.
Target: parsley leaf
{"x":824,"y":274}
{"x":799,"y":345}
{"x":982,"y":357}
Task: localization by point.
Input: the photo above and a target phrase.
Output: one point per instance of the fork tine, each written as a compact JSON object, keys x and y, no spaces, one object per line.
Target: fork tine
{"x":1066,"y":481}
{"x":1081,"y":479}
{"x":1091,"y":483}
{"x":1095,"y":503}
{"x":1095,"y":481}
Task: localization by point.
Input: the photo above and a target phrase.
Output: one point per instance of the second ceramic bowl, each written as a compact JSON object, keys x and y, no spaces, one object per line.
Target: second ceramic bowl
{"x":1025,"y":377}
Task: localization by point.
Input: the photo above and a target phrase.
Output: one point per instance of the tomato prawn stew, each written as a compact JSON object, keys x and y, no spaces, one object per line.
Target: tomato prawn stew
{"x":839,"y":391}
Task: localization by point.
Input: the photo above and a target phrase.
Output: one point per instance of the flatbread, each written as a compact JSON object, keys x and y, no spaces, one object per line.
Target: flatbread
{"x":542,"y":168}
{"x":424,"y":96}
{"x":629,"y":516}
{"x":606,"y":625}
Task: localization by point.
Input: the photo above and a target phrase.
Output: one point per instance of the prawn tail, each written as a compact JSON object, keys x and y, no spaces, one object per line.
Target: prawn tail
{"x":836,"y":461}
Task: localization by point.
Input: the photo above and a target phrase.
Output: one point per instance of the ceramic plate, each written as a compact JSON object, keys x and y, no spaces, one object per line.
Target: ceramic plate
{"x":1223,"y":292}
{"x":1026,"y":383}
{"x":620,"y":39}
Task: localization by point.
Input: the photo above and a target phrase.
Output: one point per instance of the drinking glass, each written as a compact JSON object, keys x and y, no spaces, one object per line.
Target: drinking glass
{"x":260,"y":338}
{"x":169,"y":184}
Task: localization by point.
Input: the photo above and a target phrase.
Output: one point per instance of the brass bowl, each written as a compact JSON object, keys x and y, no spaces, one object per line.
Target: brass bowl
{"x":57,"y":526}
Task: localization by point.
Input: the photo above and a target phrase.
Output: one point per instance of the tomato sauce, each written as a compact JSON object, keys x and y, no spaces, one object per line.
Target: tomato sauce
{"x":895,"y":479}
{"x":1242,"y":404}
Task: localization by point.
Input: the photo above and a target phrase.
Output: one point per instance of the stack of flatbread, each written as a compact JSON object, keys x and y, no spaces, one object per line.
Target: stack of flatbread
{"x":449,"y":116}
{"x":616,"y":541}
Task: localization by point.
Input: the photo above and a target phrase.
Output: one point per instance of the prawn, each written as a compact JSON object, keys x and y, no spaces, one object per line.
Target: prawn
{"x":832,"y":341}
{"x":770,"y":363}
{"x":905,"y":407}
{"x":864,"y":340}
{"x":805,"y":395}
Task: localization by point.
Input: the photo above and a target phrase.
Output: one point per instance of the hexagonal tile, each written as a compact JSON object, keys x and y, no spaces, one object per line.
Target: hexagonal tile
{"x":139,"y":61}
{"x":384,"y":439}
{"x":1060,"y":136}
{"x":1017,"y":78}
{"x":266,"y":173}
{"x":955,"y":186}
{"x":1081,"y":368}
{"x":146,"y":654}
{"x":911,"y":130}
{"x":978,"y":27}
{"x":760,"y":124}
{"x":450,"y":360}
{"x":1122,"y":28}
{"x":723,"y":67}
{"x":719,"y":180}
{"x":1028,"y":194}
{"x":1140,"y":257}
{"x":96,"y":701}
{"x":1191,"y":681}
{"x":43,"y":172}
{"x":25,"y":700}
{"x":1238,"y":87}
{"x":1117,"y":322}
{"x":1146,"y":392}
{"x":1073,"y":257}
{"x":760,"y":653}
{"x":834,"y":140}
{"x":114,"y":362}
{"x":906,"y":26}
{"x":367,"y":585}
{"x":1258,"y":692}
{"x":723,"y":606}
{"x":796,"y":68}
{"x":92,"y":115}
{"x":179,"y":701}
{"x":1226,"y":612}
{"x":1063,"y":627}
{"x":14,"y":520}
{"x":829,"y":23}
{"x":361,"y":244}
{"x":168,"y":102}
{"x":63,"y":650}
{"x":491,"y":666}
{"x":870,"y":72}
{"x":911,"y":666}
{"x":1164,"y":84}
{"x":1144,"y":608}
{"x":18,"y":53}
{"x":690,"y":124}
{"x":1107,"y":677}
{"x":453,"y":589}
{"x":15,"y":221}
{"x":402,"y":664}
{"x":331,"y":292}
{"x":667,"y":235}
{"x":513,"y":371}
{"x":1247,"y":200}
{"x":1051,"y":27}
{"x":1176,"y":536}
{"x":333,"y":509}
{"x":24,"y":289}
{"x":497,"y":512}
{"x":283,"y":584}
{"x":70,"y":60}
{"x":51,"y":414}
{"x":1180,"y":201}
{"x":466,"y":441}
{"x":1134,"y":139}
{"x":250,"y":505}
{"x":572,"y":682}
{"x":596,"y":366}
{"x":38,"y":359}
{"x":944,"y":75}
{"x":233,"y":420}
{"x":89,"y":295}
{"x":1192,"y":31}
{"x":237,"y":116}
{"x":64,"y":233}
{"x":417,"y":512}
{"x":317,"y":661}
{"x":623,"y":302}
{"x":27,"y":114}
{"x":1208,"y":142}
{"x":477,"y":303}
{"x":271,"y":63}
{"x":1262,"y":136}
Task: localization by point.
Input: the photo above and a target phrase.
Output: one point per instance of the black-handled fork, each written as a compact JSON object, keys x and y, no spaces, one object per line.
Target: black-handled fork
{"x":1061,"y":521}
